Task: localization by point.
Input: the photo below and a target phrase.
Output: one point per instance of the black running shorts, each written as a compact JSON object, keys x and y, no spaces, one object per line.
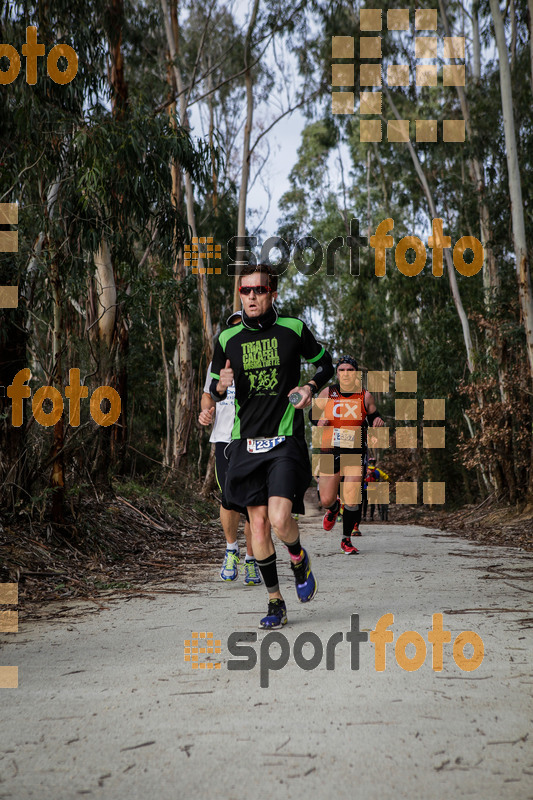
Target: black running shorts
{"x":337,"y":452}
{"x":284,"y":471}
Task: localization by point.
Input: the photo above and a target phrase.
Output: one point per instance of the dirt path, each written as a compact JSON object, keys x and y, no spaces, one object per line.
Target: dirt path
{"x":108,"y":708}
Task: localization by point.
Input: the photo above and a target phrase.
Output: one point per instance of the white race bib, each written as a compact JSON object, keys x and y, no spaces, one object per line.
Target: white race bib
{"x":263,"y":445}
{"x":347,"y":437}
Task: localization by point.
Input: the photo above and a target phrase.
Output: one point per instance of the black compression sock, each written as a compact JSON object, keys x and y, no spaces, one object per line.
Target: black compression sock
{"x":295,"y":548}
{"x":348,"y":521}
{"x":269,"y":573}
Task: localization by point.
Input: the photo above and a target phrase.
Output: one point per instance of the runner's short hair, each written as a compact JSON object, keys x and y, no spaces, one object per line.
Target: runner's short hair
{"x":264,"y":269}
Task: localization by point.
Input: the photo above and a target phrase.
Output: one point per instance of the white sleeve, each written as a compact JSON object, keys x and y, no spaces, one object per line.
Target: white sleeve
{"x":207,"y":383}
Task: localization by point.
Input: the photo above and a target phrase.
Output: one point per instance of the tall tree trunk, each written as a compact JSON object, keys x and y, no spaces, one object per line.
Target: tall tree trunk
{"x":491,"y":276}
{"x":476,"y":43}
{"x":168,"y":394}
{"x":58,"y":465}
{"x":119,"y":87}
{"x":106,"y":293}
{"x":13,"y":467}
{"x":512,"y":16}
{"x":57,"y":480}
{"x":182,"y":417}
{"x":449,"y":264}
{"x":447,"y":254}
{"x":214,"y":177}
{"x":119,"y":96}
{"x":530,"y":14}
{"x":172,"y":34}
{"x":368,"y":213}
{"x":515,"y":185}
{"x":515,"y":194}
{"x":183,"y":352}
{"x":245,"y":169}
{"x":113,"y":329}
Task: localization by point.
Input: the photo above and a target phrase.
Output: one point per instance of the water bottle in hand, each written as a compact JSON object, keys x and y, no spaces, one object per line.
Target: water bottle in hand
{"x":295,"y":398}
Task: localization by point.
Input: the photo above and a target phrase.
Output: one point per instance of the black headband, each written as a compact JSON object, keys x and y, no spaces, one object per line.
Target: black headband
{"x":346,"y":360}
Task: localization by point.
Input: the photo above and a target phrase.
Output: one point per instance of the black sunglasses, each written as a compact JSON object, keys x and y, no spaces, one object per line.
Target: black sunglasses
{"x":257,"y":289}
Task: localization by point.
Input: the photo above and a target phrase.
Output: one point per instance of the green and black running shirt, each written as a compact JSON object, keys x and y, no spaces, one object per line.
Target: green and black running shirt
{"x":266,"y":364}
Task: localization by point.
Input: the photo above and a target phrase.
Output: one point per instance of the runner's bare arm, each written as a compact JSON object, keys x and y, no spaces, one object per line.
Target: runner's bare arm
{"x":206,"y":402}
{"x":207,"y":413}
{"x":373,"y":414}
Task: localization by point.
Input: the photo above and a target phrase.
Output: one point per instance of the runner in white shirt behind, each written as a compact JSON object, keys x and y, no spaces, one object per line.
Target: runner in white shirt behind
{"x":223,"y":415}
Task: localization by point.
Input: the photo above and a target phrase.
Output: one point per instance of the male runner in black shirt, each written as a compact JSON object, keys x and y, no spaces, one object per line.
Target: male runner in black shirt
{"x":269,"y":468}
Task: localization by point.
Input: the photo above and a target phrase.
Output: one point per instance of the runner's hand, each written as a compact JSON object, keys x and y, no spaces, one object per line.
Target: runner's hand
{"x":206,"y":417}
{"x":226,"y":377}
{"x":378,"y":423}
{"x":307,"y":395}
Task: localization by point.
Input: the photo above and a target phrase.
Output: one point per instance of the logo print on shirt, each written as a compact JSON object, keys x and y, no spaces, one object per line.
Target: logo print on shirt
{"x":260,"y":354}
{"x":263,"y":381}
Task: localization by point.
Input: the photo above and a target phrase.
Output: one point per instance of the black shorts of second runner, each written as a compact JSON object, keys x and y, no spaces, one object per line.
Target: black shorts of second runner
{"x":221,"y":470}
{"x":284,"y":471}
{"x":337,"y":452}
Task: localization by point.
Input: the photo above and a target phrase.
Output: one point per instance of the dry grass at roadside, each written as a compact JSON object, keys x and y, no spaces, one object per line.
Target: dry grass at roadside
{"x":118,"y":544}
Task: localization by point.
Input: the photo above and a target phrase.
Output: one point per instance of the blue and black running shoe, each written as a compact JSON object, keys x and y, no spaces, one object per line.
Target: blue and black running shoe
{"x":276,"y":615}
{"x":306,"y":585}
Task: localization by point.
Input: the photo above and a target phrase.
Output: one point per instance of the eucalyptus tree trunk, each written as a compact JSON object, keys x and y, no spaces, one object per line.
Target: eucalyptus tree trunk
{"x":467,"y":338}
{"x":245,"y":169}
{"x":512,"y":17}
{"x":449,"y":264}
{"x":530,"y":10}
{"x":119,"y":433}
{"x":57,"y":480}
{"x":515,"y":186}
{"x":112,"y":326}
{"x":515,"y":193}
{"x":168,"y":394}
{"x":13,"y":357}
{"x":214,"y":176}
{"x":172,"y":35}
{"x":106,"y":292}
{"x":183,"y":406}
{"x":183,"y":372}
{"x":106,"y":329}
{"x":476,"y":42}
{"x":491,"y":278}
{"x":58,"y":464}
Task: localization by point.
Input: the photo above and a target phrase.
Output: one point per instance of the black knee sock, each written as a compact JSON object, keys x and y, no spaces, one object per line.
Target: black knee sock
{"x":359,"y":513}
{"x":269,"y":573}
{"x":348,"y":521}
